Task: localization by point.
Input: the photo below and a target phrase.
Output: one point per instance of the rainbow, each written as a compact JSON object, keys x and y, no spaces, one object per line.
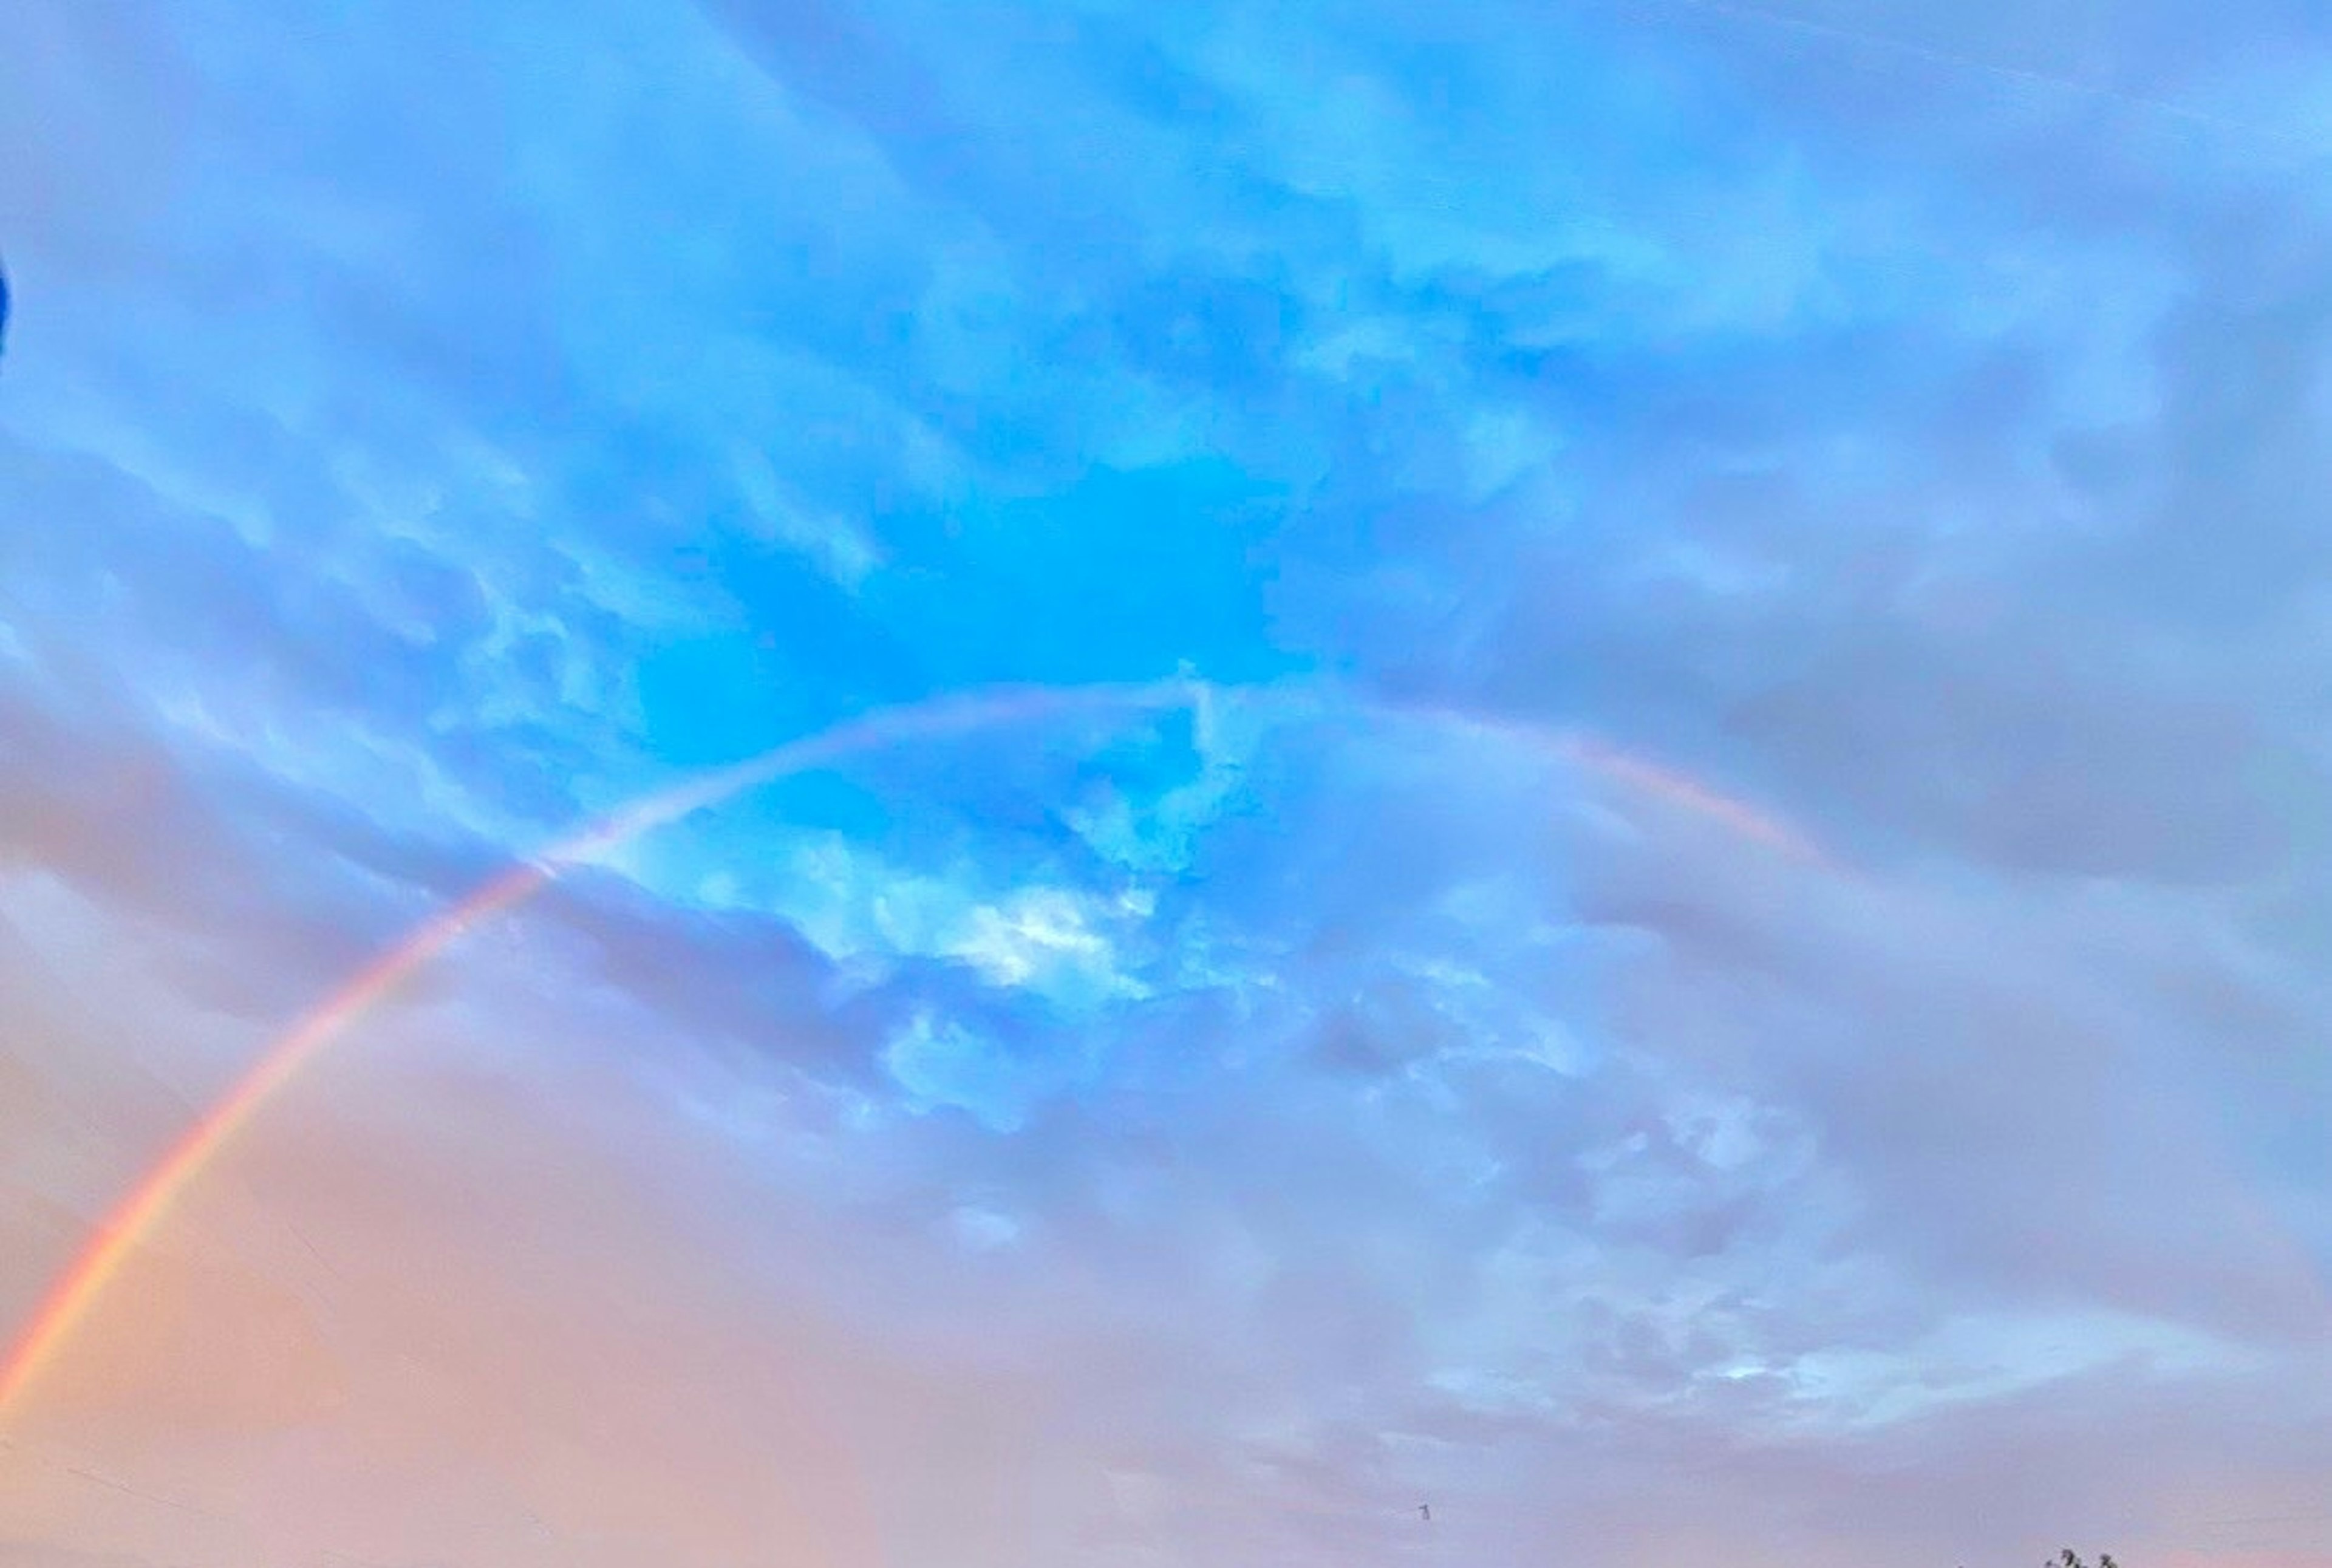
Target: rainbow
{"x":148,"y":1203}
{"x":1632,"y":771}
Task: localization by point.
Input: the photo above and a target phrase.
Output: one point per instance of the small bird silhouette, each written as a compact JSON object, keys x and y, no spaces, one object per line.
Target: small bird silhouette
{"x":1425,"y":1511}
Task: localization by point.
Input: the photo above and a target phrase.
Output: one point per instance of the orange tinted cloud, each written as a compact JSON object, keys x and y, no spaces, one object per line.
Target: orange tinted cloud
{"x":457,"y":1330}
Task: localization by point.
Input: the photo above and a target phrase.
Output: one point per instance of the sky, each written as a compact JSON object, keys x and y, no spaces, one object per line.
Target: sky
{"x":1583,"y":776}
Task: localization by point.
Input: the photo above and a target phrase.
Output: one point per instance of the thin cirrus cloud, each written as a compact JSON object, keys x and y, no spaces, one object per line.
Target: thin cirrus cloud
{"x":1723,"y":958}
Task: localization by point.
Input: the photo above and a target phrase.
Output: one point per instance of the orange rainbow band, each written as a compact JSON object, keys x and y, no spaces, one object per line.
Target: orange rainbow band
{"x":1682,"y":789}
{"x":1632,"y":769}
{"x":148,"y":1203}
{"x":136,"y":1215}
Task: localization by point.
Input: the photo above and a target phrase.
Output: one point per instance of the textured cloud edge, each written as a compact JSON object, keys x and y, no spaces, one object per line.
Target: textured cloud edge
{"x":1103,"y":1140}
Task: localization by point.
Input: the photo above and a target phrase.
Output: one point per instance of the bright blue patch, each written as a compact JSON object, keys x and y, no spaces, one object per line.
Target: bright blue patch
{"x":1123,"y":577}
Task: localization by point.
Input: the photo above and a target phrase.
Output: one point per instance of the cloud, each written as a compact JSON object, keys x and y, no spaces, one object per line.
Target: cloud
{"x":1874,"y":1110}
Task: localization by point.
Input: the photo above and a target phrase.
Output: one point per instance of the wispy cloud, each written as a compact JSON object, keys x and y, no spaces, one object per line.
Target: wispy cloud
{"x":1723,"y":957}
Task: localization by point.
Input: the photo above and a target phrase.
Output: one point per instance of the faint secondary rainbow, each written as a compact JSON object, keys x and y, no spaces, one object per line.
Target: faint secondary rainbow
{"x":141,"y":1211}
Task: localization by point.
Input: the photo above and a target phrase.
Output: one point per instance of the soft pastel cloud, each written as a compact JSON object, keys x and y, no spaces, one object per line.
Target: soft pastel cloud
{"x":1723,"y":959}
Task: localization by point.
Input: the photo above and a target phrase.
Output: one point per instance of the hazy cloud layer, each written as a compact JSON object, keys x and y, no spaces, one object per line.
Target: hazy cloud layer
{"x":1728,"y":961}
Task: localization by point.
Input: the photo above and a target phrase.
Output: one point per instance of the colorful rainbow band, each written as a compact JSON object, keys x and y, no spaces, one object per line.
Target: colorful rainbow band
{"x":148,"y":1203}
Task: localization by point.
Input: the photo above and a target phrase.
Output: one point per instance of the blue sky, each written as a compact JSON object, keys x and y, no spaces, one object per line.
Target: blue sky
{"x":1725,"y":957}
